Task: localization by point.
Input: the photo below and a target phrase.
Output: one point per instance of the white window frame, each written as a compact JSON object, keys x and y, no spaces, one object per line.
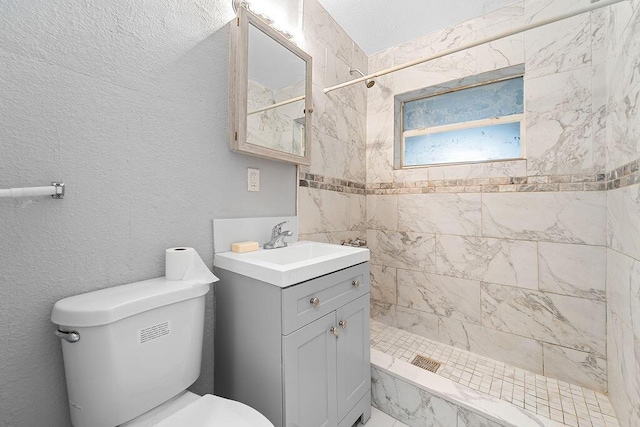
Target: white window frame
{"x":466,"y":125}
{"x":512,"y":118}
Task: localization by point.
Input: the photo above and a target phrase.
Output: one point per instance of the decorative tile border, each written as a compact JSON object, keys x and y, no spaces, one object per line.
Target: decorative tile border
{"x":589,"y":182}
{"x":331,"y":184}
{"x":623,"y":176}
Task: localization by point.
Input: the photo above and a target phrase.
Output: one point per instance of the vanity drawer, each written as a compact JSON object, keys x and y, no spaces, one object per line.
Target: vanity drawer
{"x":332,"y":292}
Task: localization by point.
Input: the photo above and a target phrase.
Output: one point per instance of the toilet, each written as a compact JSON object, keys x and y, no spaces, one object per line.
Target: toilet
{"x":130,"y":353}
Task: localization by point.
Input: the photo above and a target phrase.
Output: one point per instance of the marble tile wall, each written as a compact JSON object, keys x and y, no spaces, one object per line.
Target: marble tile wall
{"x":621,"y":53}
{"x":622,"y":119}
{"x":331,"y":196}
{"x":506,"y":259}
{"x":516,"y":270}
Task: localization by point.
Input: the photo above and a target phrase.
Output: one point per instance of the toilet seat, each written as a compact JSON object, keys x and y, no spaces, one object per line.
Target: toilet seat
{"x":214,"y":411}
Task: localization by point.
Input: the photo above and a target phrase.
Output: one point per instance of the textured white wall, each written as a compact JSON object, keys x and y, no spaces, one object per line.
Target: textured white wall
{"x":126,"y":102}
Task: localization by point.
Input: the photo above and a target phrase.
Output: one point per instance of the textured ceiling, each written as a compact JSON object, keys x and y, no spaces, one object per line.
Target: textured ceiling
{"x":379,"y":24}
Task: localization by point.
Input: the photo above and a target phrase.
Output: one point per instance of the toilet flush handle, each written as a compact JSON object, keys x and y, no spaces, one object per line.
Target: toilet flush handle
{"x":70,"y":336}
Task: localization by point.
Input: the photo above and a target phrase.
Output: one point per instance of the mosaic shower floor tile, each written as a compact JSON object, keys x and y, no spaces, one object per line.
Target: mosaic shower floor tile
{"x":558,"y":400}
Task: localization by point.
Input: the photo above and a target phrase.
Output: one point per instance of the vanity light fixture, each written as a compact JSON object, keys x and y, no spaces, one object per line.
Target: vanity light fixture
{"x":237,"y":4}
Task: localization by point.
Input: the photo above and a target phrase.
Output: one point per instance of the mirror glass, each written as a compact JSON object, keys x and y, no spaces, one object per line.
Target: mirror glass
{"x":276,"y":75}
{"x":270,"y":100}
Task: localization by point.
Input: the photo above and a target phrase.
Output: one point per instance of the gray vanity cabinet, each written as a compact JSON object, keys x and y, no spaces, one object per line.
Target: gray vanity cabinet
{"x":310,"y":375}
{"x":326,"y":359}
{"x":300,"y":364}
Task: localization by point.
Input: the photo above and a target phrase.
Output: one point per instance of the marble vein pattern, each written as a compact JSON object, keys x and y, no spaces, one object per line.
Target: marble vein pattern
{"x":525,"y":353}
{"x":623,"y":290}
{"x":418,"y":322}
{"x":536,"y":10}
{"x":320,"y":25}
{"x":441,"y":295}
{"x":401,"y":176}
{"x":623,"y":205}
{"x":318,"y":52}
{"x":624,"y":371}
{"x":559,"y":47}
{"x":381,"y":99}
{"x":383,"y":283}
{"x":556,"y":319}
{"x":507,"y":262}
{"x":574,"y":270}
{"x":382,"y":212}
{"x":327,"y":211}
{"x":506,"y":16}
{"x":599,"y":35}
{"x":402,"y":249}
{"x":436,"y":71}
{"x":565,"y":217}
{"x":479,"y":170}
{"x":334,"y":158}
{"x":471,"y":419}
{"x":559,"y":123}
{"x":384,"y":312}
{"x":502,"y":52}
{"x":623,"y":106}
{"x":379,"y":152}
{"x":341,"y":122}
{"x":440,"y":213}
{"x":409,"y":404}
{"x":564,"y":363}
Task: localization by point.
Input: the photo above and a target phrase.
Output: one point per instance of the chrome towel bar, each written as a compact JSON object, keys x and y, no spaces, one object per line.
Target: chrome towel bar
{"x":55,"y":190}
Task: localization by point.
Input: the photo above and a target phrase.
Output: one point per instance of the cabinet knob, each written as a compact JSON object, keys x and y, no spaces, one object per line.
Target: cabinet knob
{"x":315,"y":301}
{"x":356,"y":283}
{"x":335,"y":331}
{"x":343,"y":324}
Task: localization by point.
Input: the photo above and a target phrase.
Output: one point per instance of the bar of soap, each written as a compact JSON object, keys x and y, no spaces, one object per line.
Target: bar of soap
{"x":241,"y":247}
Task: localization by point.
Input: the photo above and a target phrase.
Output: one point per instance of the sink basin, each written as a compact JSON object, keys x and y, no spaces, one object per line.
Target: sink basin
{"x":293,"y":264}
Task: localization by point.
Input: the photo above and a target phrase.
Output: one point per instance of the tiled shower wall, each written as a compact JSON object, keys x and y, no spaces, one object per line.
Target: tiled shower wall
{"x":506,"y":259}
{"x":338,"y":141}
{"x":623,"y":204}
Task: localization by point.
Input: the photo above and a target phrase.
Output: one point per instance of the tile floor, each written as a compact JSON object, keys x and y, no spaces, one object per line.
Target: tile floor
{"x":559,"y":400}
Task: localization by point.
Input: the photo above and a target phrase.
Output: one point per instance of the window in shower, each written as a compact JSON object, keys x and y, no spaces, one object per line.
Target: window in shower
{"x":474,"y":123}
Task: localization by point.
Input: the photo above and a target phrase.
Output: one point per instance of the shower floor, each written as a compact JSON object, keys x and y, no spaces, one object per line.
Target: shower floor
{"x":558,"y":400}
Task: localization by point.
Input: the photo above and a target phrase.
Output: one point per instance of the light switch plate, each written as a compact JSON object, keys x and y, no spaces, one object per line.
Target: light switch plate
{"x":253,"y":179}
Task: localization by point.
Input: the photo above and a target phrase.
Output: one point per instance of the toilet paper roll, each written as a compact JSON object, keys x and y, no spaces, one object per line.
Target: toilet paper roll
{"x":185,"y":264}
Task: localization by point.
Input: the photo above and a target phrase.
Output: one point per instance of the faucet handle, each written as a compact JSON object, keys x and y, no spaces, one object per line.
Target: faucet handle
{"x":277,"y":229}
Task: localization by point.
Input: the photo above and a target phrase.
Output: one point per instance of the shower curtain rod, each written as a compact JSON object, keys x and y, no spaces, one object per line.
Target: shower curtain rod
{"x":279,"y":104}
{"x":594,"y":6}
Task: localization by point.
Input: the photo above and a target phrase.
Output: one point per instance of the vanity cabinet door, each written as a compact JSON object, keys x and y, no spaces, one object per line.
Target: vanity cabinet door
{"x":310,"y":375}
{"x":353,"y":366}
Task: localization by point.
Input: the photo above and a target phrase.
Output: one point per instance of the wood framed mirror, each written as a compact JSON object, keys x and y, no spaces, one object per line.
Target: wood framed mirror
{"x":270,"y":92}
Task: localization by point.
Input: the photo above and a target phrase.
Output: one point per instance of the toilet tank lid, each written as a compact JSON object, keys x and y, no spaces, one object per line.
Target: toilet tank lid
{"x":112,"y":304}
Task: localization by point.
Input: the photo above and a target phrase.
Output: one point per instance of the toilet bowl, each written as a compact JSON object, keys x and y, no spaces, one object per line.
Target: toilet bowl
{"x":189,"y":409}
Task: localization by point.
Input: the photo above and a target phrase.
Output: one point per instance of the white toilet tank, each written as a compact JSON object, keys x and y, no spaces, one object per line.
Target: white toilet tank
{"x":140,"y":345}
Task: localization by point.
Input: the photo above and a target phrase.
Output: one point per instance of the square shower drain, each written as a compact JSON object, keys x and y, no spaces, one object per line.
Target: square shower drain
{"x":426,"y":363}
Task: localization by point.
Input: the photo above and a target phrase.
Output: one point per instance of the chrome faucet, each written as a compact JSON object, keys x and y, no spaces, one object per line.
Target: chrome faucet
{"x":277,"y":237}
